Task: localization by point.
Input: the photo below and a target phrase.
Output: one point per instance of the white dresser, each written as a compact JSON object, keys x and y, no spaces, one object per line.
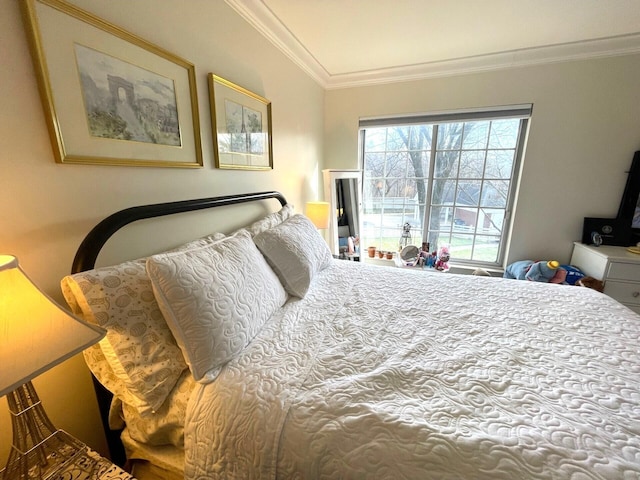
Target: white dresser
{"x":618,"y":268}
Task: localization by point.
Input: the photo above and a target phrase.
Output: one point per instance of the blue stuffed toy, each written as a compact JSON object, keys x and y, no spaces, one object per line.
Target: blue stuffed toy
{"x":534,"y":271}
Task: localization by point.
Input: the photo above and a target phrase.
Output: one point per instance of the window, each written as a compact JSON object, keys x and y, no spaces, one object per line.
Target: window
{"x":451,"y":177}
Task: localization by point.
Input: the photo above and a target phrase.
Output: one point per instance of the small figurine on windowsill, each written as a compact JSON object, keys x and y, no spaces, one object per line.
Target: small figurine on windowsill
{"x":442,"y":264}
{"x":431,"y":260}
{"x":423,"y":254}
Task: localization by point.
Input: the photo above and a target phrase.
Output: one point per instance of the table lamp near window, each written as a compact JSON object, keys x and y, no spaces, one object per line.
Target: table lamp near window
{"x":318,"y":213}
{"x":35,"y":335}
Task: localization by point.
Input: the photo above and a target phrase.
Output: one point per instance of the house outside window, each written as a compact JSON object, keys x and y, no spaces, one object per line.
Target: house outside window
{"x":451,"y":177}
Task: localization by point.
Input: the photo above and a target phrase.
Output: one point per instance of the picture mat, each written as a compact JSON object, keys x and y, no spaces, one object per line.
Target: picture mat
{"x":59,"y":32}
{"x":223,"y":93}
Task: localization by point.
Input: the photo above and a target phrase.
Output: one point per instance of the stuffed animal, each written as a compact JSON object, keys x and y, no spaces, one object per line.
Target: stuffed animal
{"x":542,"y":271}
{"x":442,"y":263}
{"x":591,"y":282}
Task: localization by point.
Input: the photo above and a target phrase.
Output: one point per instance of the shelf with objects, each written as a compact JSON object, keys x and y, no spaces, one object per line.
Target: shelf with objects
{"x":410,"y":256}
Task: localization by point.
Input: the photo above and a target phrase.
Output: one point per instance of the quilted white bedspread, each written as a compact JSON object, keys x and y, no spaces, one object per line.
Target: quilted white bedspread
{"x":389,"y":373}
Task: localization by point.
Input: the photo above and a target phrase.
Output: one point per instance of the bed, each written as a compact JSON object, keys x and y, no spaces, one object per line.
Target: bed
{"x":256,"y":354}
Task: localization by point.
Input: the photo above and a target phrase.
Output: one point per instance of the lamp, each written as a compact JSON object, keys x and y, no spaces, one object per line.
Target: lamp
{"x":318,"y":213}
{"x":36,"y":334}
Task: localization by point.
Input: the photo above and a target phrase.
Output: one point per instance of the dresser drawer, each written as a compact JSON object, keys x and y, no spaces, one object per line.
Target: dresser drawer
{"x":624,"y":292}
{"x":618,"y":268}
{"x":624,"y":271}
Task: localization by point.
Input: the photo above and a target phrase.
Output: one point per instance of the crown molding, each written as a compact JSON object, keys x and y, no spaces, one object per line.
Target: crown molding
{"x":607,"y":47}
{"x":262,"y":19}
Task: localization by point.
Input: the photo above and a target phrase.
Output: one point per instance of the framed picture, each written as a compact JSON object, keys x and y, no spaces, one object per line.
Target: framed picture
{"x":109,"y":97}
{"x":241,"y":123}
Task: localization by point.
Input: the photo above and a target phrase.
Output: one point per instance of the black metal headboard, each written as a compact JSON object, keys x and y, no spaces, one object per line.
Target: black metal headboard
{"x":90,"y":247}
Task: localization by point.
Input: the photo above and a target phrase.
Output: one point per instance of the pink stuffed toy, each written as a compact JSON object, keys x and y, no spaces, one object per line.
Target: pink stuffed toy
{"x":442,"y":263}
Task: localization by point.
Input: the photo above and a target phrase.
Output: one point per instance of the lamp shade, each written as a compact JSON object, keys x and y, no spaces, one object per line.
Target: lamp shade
{"x":35,"y":333}
{"x":318,"y":213}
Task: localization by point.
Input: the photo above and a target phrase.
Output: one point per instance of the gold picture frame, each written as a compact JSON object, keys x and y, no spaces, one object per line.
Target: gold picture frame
{"x":241,"y":123}
{"x":110,"y":97}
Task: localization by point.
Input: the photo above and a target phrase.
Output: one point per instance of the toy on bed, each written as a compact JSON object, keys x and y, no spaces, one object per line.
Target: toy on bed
{"x":541,"y":271}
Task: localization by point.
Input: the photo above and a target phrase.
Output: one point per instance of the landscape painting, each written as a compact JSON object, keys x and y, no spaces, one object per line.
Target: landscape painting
{"x":125,"y":102}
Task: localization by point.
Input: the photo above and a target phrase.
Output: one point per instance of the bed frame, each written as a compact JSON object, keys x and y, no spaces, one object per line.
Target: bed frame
{"x":90,"y":247}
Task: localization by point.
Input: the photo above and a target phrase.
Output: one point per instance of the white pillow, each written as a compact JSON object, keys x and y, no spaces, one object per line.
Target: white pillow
{"x":215,"y":299}
{"x":143,"y":361}
{"x":296,"y":252}
{"x":271,"y":220}
{"x":138,"y":347}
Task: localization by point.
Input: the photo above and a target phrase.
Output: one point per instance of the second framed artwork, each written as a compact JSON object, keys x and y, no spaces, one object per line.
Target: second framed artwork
{"x":241,"y":122}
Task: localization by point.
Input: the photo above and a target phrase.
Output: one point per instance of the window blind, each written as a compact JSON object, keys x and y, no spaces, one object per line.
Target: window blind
{"x":491,"y":113}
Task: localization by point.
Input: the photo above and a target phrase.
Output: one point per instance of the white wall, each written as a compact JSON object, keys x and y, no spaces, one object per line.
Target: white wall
{"x":584,"y":131}
{"x":47,"y":208}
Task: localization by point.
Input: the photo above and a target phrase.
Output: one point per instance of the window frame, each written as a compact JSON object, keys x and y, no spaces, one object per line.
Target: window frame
{"x":521,"y":112}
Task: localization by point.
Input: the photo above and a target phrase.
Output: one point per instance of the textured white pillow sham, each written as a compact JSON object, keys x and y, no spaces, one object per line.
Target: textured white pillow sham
{"x":139,"y":360}
{"x":271,"y":220}
{"x":215,"y":299}
{"x":296,"y":252}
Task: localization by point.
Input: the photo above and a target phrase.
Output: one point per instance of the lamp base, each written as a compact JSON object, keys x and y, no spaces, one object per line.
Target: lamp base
{"x":39,"y":450}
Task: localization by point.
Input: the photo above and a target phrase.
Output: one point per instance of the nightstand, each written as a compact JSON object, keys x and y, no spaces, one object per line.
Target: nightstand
{"x":84,"y":468}
{"x":617,"y":267}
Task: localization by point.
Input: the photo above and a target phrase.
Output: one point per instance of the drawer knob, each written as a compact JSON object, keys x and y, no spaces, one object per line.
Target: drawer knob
{"x":635,"y":294}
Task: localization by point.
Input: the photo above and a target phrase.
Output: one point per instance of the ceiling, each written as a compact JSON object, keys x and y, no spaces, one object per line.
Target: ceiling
{"x":344,"y":43}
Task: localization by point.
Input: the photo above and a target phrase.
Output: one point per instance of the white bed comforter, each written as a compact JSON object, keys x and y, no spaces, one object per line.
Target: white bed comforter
{"x":389,"y":373}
